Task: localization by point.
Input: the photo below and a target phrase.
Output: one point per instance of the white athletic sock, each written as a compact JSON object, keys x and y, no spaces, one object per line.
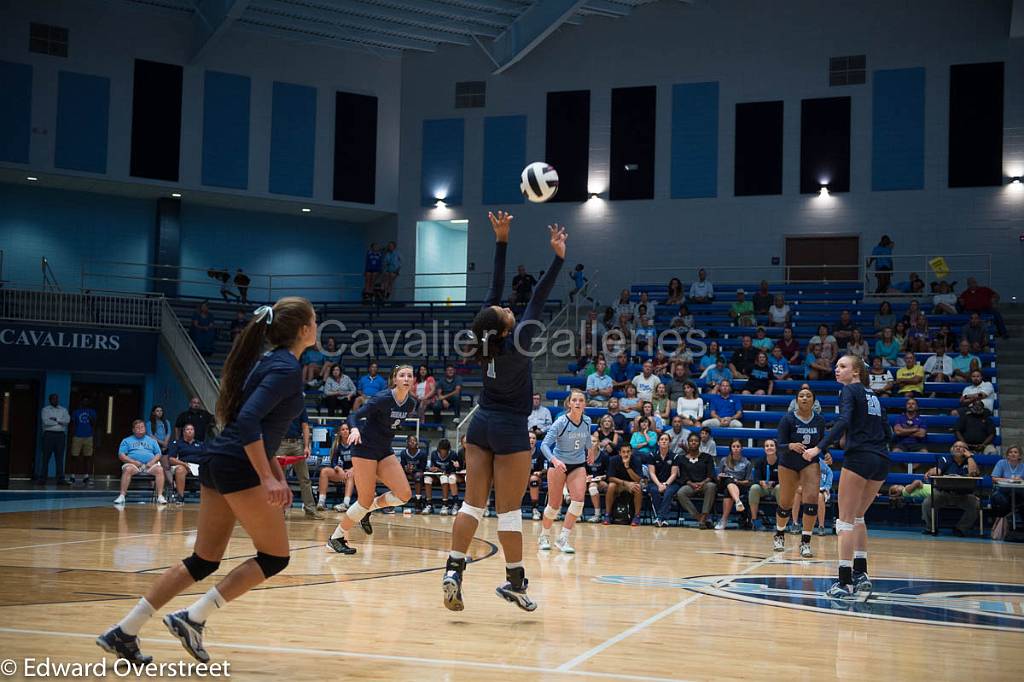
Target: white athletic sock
{"x":137,"y":617}
{"x":348,"y":500}
{"x":323,"y":500}
{"x":339,"y":532}
{"x":858,"y":554}
{"x":845,"y":563}
{"x":457,"y":555}
{"x":204,"y":606}
{"x":564,"y":533}
{"x":517,"y":564}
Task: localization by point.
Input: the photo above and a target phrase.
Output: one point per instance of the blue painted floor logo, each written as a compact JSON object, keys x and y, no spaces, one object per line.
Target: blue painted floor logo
{"x":994,"y":606}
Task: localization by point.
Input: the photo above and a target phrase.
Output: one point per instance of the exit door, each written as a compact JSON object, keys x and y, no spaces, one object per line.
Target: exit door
{"x":117,"y":406}
{"x":819,"y":259}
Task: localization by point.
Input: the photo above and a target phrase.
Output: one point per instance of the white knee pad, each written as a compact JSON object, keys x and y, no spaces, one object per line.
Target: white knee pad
{"x":356,"y":512}
{"x":393,"y":500}
{"x":843,"y":527}
{"x":859,"y":521}
{"x":510,"y":521}
{"x":593,"y":489}
{"x":576,"y":508}
{"x":468,"y":509}
{"x":445,"y":479}
{"x":550,"y":512}
{"x":428,"y":479}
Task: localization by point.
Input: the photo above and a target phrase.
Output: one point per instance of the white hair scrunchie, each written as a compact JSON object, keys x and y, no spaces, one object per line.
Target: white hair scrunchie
{"x":264,"y":311}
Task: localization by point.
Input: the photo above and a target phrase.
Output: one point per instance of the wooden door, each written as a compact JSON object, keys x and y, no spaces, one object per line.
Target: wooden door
{"x":19,"y":412}
{"x":807,"y":256}
{"x":117,"y":406}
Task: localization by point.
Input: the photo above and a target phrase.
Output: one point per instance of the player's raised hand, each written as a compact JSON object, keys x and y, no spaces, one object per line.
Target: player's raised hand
{"x":558,"y":236}
{"x":500,"y":221}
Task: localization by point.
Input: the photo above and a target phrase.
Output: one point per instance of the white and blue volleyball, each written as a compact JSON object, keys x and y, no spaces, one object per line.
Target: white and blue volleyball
{"x":539,"y":182}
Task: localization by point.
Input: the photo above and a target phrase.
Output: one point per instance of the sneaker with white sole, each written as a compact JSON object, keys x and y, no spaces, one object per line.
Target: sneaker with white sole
{"x":535,"y":515}
{"x":341,"y":507}
{"x":115,"y":641}
{"x":161,"y":500}
{"x":840,"y":592}
{"x":427,"y":511}
{"x":516,"y":595}
{"x":562,"y":543}
{"x":444,"y":510}
{"x":861,"y":583}
{"x":739,"y":507}
{"x":805,"y":551}
{"x":189,"y":633}
{"x":544,"y":543}
{"x":779,"y":543}
{"x":119,"y":499}
{"x":720,"y":525}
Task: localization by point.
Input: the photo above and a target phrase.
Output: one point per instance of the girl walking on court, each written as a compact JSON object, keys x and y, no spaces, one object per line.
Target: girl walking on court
{"x":798,"y":432}
{"x":372,"y":427}
{"x":497,"y":445}
{"x":261,"y":393}
{"x":568,"y":448}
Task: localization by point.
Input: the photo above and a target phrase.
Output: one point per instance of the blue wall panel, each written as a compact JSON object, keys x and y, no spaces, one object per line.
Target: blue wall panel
{"x":292,"y":139}
{"x":504,"y":159}
{"x":441,"y":165}
{"x":15,"y":111}
{"x":226,"y":130}
{"x":83,"y":116}
{"x":897,"y":129}
{"x":694,"y":140}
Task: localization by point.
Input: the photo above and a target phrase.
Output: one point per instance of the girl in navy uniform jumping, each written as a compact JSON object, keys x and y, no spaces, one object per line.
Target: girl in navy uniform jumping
{"x":261,"y":392}
{"x":339,"y":470}
{"x":497,"y":447}
{"x":865,"y":467}
{"x":798,"y":432}
{"x":569,"y":448}
{"x":372,"y":428}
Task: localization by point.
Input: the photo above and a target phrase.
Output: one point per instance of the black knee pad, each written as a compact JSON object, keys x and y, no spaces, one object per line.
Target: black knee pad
{"x":534,"y":483}
{"x":198,"y":567}
{"x":783,"y":513}
{"x":270,"y":564}
{"x":809,"y":509}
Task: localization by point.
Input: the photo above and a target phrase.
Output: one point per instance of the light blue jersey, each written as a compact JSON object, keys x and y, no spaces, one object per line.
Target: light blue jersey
{"x":570,"y":441}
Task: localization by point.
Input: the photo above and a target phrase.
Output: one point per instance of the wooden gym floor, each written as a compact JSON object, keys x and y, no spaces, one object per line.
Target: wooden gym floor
{"x":632,"y":604}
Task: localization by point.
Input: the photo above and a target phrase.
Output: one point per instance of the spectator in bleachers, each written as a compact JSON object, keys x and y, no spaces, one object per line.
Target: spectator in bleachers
{"x":646,"y":381}
{"x":976,"y":333}
{"x":644,"y":439}
{"x":625,"y":477}
{"x":645,"y":331}
{"x":726,"y":410}
{"x":742,"y":358}
{"x":332,"y":358}
{"x":160,"y":430}
{"x":790,"y":346}
{"x":761,"y":340}
{"x":663,"y":473}
{"x":762,"y":301}
{"x":760,"y":381}
{"x":888,"y":348}
{"x":624,"y":308}
{"x":778,"y":364}
{"x":939,"y":367}
{"x":965,"y":362}
{"x":369,"y":385}
{"x":373,"y":263}
{"x":645,"y":304}
{"x":858,"y":346}
{"x":880,"y":377}
{"x":607,"y":436}
{"x":715,"y":374}
{"x":675,"y":292}
{"x":917,"y":330}
{"x":947,"y":338}
{"x":197,"y":417}
{"x":449,"y":394}
{"x":597,"y":471}
{"x":779,"y":313}
{"x":424,"y":390}
{"x":539,"y":420}
{"x":742,"y":310}
{"x":140,"y":454}
{"x":242,"y":281}
{"x":707,"y":444}
{"x":734,"y":477}
{"x":818,"y":367}
{"x":203,"y":329}
{"x":702,"y":291}
{"x":522,"y":287}
{"x":682,"y":354}
{"x":683,"y":320}
{"x":944,"y":302}
{"x":910,"y":377}
{"x":442,"y":467}
{"x":593,"y":331}
{"x":620,"y":420}
{"x":647,"y":410}
{"x":661,"y":363}
{"x":677,"y":434}
{"x":1007,"y":470}
{"x":630,"y":403}
{"x":766,"y":487}
{"x":843,"y":331}
{"x":312,"y":360}
{"x":884,"y":318}
{"x":620,"y":372}
{"x":599,"y":385}
{"x":881,"y":256}
{"x":690,"y":406}
{"x":959,"y":462}
{"x":338,"y":470}
{"x":696,"y":477}
{"x":413,"y":460}
{"x":909,"y":432}
{"x":178,"y":454}
{"x":661,"y":404}
{"x":391,"y":266}
{"x":677,"y":383}
{"x":538,"y":474}
{"x":815,"y":407}
{"x":978,"y":299}
{"x":621,"y":336}
{"x":587,"y":361}
{"x":979,"y":390}
{"x":976,"y":428}
{"x":237,"y":324}
{"x":828,"y":346}
{"x":339,"y":391}
{"x":710,"y":356}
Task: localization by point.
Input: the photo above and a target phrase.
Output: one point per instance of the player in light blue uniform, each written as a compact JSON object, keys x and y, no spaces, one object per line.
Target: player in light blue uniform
{"x":568,"y":449}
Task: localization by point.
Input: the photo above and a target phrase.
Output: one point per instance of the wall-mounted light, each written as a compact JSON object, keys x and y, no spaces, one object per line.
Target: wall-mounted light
{"x":461,"y":221}
{"x":595,"y":195}
{"x":823,"y":192}
{"x":1016,"y":180}
{"x":176,"y":195}
{"x":632,"y":167}
{"x":32,"y":178}
{"x":440,"y":204}
{"x":307,"y":210}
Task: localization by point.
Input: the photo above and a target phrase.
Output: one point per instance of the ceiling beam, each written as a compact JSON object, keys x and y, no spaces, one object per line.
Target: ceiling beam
{"x":440,"y":9}
{"x":606,"y":8}
{"x":211,"y":19}
{"x":315,"y":21}
{"x":404,"y":16}
{"x":530,"y":30}
{"x":284,"y":33}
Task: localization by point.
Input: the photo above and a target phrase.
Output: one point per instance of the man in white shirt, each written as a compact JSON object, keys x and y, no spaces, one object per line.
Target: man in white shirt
{"x":55,"y":435}
{"x":702,"y":291}
{"x":646,"y":382}
{"x":599,"y":385}
{"x":979,"y":389}
{"x":939,"y":367}
{"x":539,"y":420}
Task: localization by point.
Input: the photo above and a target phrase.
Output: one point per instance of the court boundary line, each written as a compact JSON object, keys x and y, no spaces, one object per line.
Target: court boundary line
{"x":571,"y":664}
{"x":99,"y":539}
{"x":437,"y":662}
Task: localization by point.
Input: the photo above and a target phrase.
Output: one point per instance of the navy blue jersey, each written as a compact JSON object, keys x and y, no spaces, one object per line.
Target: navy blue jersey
{"x":600,"y":465}
{"x":446,"y":465}
{"x":793,"y":429}
{"x":863,"y":420}
{"x":272,"y":396}
{"x":341,"y":456}
{"x":417,"y":460}
{"x":538,"y":461}
{"x":377,"y":420}
{"x":184,"y":451}
{"x":508,"y":377}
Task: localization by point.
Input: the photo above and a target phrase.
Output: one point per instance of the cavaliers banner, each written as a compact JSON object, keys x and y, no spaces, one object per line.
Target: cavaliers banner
{"x":24,"y":345}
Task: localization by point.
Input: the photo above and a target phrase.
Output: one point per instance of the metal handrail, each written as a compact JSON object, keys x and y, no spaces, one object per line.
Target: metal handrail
{"x":49,"y":278}
{"x":94,"y":310}
{"x":190,"y":361}
{"x":773,"y":274}
{"x":960,"y":266}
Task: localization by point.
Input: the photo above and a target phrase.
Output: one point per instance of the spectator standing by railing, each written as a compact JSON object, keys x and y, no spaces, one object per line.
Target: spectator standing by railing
{"x":55,"y":419}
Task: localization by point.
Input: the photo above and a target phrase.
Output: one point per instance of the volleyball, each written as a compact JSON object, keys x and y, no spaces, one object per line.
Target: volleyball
{"x":539,"y":182}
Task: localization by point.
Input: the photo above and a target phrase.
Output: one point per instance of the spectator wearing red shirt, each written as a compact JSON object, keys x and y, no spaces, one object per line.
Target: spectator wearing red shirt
{"x":976,"y":299}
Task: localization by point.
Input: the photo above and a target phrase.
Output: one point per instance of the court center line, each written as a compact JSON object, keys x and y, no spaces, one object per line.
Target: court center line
{"x":629,"y":632}
{"x":438,"y":662}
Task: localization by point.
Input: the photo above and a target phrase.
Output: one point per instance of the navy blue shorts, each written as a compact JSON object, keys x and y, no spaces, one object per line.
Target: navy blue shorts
{"x":500,"y":432}
{"x":793,"y":461}
{"x":227,"y":474}
{"x":376,"y":455}
{"x":869,"y":465}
